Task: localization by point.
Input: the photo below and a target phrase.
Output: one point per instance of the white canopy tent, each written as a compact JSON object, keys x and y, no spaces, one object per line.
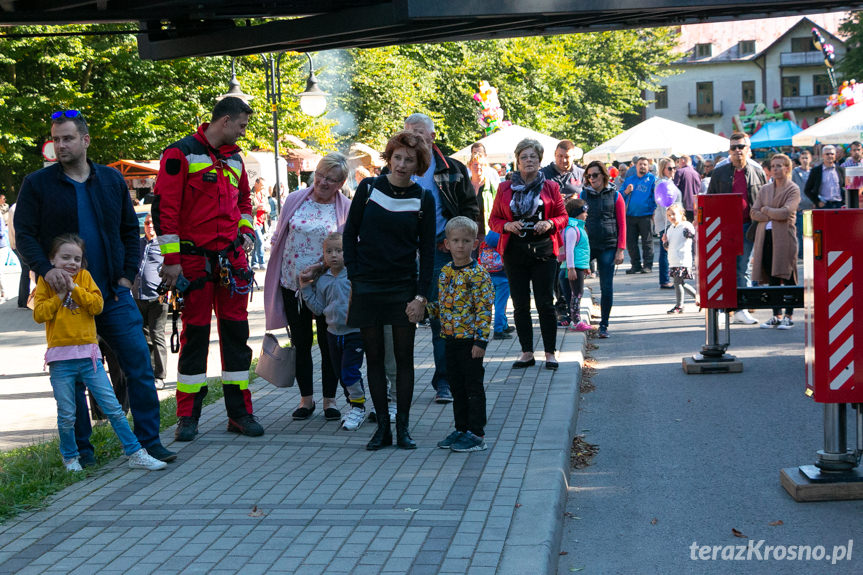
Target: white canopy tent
{"x":657,"y":137}
{"x":263,"y":165}
{"x":501,"y":145}
{"x":841,"y":128}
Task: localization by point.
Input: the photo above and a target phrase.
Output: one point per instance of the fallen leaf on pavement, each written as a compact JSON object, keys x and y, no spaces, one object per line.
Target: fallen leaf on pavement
{"x":654,"y":521}
{"x":256,"y":512}
{"x":573,"y":569}
{"x":411,"y":510}
{"x":737,"y":533}
{"x":564,"y":552}
{"x":775,"y":523}
{"x":517,"y":505}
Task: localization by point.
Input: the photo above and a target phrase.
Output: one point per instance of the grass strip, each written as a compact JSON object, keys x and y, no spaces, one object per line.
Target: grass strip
{"x":30,"y":475}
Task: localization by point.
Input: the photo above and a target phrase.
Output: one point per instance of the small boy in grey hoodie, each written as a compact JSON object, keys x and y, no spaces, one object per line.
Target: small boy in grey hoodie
{"x":330,"y":295}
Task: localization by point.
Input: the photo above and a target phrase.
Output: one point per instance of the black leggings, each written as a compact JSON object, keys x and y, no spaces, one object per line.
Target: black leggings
{"x":767,"y":269}
{"x":300,"y":320}
{"x":403,"y":348}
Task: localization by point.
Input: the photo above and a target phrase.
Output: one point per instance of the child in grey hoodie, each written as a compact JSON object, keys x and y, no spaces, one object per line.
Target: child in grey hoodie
{"x":330,"y":295}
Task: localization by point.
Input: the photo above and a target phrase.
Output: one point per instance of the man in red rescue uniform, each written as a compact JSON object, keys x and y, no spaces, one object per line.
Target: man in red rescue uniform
{"x":202,"y":215}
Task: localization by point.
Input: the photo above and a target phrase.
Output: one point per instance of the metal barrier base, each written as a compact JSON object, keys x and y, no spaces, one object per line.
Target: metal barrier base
{"x":808,"y":483}
{"x":701,"y":364}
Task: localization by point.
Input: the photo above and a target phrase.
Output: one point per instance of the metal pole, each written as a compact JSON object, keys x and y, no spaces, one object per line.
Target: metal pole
{"x":835,"y":456}
{"x":275,"y":109}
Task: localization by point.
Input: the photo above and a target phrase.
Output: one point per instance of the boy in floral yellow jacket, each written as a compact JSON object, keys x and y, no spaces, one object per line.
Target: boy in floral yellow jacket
{"x":464,"y":308}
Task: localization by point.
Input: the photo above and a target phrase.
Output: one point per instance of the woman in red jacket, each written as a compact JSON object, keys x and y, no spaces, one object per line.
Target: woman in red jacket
{"x":528,"y":213}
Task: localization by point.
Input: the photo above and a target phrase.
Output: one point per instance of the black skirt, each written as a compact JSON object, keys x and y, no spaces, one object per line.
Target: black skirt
{"x":370,"y":307}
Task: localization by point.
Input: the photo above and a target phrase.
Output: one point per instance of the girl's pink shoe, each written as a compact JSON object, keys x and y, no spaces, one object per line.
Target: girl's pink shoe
{"x":582,"y":326}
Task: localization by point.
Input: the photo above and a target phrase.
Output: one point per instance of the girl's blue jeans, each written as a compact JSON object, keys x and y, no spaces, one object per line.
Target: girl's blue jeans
{"x":64,"y":374}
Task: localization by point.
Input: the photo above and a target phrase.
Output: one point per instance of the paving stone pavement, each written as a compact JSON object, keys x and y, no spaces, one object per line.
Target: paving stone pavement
{"x":308,"y":498}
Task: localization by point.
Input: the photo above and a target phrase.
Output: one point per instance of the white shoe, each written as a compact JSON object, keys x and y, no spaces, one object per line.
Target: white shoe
{"x":73,"y":465}
{"x":143,"y":460}
{"x":786,"y":323}
{"x":772,"y":322}
{"x":160,"y":383}
{"x":354,"y":419}
{"x":744,"y":317}
{"x":392,"y":410}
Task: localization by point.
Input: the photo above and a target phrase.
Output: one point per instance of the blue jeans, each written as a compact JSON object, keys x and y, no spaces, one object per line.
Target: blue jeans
{"x":664,"y":278}
{"x":258,"y":251}
{"x":64,"y":374}
{"x":743,"y":275}
{"x":605,"y":268}
{"x":501,"y":296}
{"x":121,"y":326}
{"x":439,"y":380}
{"x":800,"y":234}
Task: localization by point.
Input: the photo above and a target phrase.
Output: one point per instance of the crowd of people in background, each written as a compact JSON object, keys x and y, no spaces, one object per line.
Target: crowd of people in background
{"x":361,"y":256}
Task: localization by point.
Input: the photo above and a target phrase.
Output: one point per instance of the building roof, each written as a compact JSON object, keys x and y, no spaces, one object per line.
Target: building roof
{"x":726,"y":36}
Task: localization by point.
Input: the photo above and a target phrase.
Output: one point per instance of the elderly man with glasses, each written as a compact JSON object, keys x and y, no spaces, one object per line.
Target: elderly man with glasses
{"x":826,"y":183}
{"x":741,"y":177}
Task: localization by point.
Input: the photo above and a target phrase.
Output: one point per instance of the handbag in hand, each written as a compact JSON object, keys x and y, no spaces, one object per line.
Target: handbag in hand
{"x":277,"y":364}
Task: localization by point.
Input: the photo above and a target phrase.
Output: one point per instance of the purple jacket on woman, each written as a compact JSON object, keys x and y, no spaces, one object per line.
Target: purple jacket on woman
{"x":274,"y":306}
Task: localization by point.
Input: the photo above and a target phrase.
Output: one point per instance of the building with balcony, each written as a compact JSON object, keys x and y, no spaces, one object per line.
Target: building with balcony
{"x":729,"y":64}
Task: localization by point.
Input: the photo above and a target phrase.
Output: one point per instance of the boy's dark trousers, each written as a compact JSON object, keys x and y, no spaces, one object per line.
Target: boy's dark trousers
{"x":466,"y":375}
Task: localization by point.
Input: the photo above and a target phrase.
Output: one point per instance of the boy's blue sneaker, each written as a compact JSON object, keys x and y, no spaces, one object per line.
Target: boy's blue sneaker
{"x":469,"y":442}
{"x":443,"y":395}
{"x":450,"y":439}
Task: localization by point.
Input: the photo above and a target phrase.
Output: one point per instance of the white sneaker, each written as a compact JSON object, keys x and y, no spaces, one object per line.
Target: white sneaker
{"x":354,"y":419}
{"x":744,"y":317}
{"x":160,"y":383}
{"x":392,"y":410}
{"x":73,"y":465}
{"x":143,"y":460}
{"x":786,"y":323}
{"x":772,"y":322}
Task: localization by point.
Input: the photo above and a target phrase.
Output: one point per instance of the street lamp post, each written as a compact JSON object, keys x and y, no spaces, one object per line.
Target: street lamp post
{"x":313,"y":101}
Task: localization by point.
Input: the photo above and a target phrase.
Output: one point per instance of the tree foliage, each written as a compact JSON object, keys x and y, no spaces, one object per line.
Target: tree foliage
{"x":579,"y":86}
{"x":851,"y":64}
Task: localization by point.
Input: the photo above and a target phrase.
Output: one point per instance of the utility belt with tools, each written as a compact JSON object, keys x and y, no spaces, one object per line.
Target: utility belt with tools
{"x":218,"y":268}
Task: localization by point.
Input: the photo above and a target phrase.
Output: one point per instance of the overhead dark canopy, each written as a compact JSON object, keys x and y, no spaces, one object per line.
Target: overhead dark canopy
{"x":179,"y":28}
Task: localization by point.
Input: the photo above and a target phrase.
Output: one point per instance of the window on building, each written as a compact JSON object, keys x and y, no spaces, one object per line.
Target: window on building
{"x":704,"y":98}
{"x":790,"y":86}
{"x":703,"y":50}
{"x":821,"y":85}
{"x":803,"y":44}
{"x":747,"y":89}
{"x":661,"y":96}
{"x":746,"y":47}
{"x":706,"y":127}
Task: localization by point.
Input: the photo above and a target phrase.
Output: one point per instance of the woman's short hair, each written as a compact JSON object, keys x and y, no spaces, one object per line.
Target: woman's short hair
{"x":411,"y":141}
{"x":528,"y":144}
{"x":335,"y":161}
{"x":786,"y":161}
{"x":601,"y":167}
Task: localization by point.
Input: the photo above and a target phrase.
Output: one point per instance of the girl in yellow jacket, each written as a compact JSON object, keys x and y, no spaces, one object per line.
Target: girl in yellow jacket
{"x":73,"y":352}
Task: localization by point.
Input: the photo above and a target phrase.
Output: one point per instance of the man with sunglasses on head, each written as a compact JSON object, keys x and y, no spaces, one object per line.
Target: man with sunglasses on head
{"x":203,"y":217}
{"x":76,"y":195}
{"x":744,"y":178}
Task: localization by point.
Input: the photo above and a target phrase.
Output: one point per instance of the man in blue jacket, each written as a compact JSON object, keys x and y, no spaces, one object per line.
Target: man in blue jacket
{"x":78,"y":196}
{"x":640,"y":205}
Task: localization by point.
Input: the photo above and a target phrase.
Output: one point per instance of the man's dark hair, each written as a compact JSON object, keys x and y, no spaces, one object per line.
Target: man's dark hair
{"x":856,"y":143}
{"x":478,"y":146}
{"x":79,"y":121}
{"x":232,"y":107}
{"x":565,"y":145}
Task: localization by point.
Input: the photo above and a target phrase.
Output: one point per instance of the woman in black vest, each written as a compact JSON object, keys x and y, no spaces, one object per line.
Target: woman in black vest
{"x":606,"y":228}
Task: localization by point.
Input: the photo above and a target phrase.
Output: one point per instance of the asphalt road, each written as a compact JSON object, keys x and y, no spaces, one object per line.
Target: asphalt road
{"x":685,"y":459}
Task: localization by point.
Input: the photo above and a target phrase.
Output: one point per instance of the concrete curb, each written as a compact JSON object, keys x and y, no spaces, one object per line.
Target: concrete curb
{"x":533,"y":542}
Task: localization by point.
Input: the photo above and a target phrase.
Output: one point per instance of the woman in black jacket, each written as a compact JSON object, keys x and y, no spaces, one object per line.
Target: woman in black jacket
{"x":390,"y":220}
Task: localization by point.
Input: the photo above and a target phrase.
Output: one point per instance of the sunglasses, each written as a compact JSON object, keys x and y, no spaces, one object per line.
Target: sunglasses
{"x":592,"y":175}
{"x":66,"y":113}
{"x":323,"y":178}
{"x":738,"y":147}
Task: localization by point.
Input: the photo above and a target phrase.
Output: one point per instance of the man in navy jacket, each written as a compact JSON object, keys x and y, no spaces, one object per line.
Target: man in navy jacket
{"x":78,"y":196}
